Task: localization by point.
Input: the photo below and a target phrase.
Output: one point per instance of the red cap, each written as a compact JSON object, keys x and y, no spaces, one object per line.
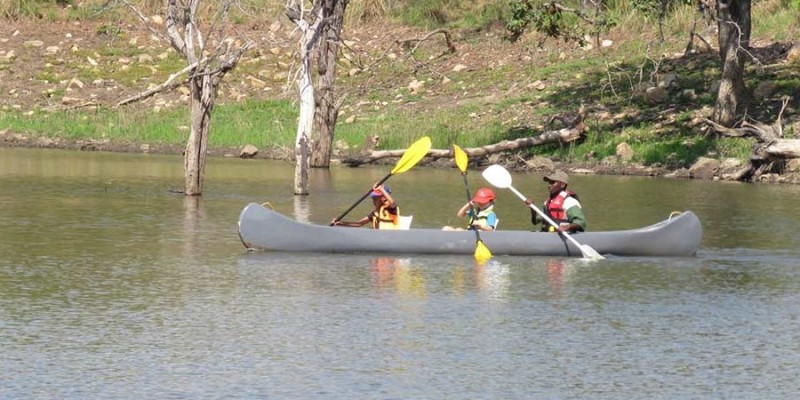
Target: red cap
{"x":483,"y":195}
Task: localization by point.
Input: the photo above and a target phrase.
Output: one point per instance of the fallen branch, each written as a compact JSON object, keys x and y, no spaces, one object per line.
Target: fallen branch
{"x":450,"y":47}
{"x":70,"y":107}
{"x":770,"y":151}
{"x":565,"y":135}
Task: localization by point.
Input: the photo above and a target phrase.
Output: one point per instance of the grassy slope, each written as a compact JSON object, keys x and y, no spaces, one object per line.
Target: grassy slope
{"x":497,"y":96}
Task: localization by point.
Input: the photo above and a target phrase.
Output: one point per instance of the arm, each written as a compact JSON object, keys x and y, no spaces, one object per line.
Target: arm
{"x":536,"y":220}
{"x":576,"y":218}
{"x":388,"y":197}
{"x":463,"y":211}
{"x":353,"y":224}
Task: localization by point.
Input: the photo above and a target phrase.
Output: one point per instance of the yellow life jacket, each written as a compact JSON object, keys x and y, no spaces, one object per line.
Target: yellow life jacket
{"x":383,"y":219}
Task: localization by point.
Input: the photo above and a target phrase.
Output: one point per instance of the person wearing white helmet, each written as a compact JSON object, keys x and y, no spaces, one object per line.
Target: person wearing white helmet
{"x":485,"y":218}
{"x":562,"y":206}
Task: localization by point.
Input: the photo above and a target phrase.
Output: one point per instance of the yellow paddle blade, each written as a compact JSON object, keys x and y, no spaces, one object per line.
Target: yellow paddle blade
{"x":461,"y":158}
{"x":482,"y":253}
{"x":413,"y":154}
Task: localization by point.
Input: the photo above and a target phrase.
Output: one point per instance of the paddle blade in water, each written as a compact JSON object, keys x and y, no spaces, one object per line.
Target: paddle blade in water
{"x":461,"y":158}
{"x":413,"y":154}
{"x":589,"y":252}
{"x":497,"y":176}
{"x":482,"y":253}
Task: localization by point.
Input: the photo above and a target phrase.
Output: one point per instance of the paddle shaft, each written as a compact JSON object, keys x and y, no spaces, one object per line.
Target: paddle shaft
{"x":472,"y":207}
{"x":546,"y":218}
{"x":339,"y":218}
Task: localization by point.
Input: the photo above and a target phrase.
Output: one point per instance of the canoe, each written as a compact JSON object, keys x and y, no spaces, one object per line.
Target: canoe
{"x":262,"y":228}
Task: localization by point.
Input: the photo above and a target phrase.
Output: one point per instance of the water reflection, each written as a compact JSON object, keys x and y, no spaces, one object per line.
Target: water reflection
{"x":492,"y":279}
{"x":559,"y":272}
{"x":398,"y":274}
{"x":192,"y":214}
{"x":302,"y":211}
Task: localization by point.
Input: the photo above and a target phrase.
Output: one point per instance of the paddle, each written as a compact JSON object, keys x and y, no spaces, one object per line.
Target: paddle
{"x":482,"y":252}
{"x":410,"y":158}
{"x":499,"y":177}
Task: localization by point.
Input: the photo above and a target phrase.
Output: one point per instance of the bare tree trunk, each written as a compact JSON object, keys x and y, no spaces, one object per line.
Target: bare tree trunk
{"x":301,"y":144}
{"x":327,"y":108}
{"x":203,"y":96}
{"x":205,"y":74}
{"x":734,"y":39}
{"x":310,"y":35}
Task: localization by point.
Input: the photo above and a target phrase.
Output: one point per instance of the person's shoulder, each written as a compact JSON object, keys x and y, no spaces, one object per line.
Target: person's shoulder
{"x":570,"y":202}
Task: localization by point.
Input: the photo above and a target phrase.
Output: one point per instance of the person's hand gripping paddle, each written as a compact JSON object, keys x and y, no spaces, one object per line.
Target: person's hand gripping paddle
{"x":499,"y":177}
{"x":482,"y":253}
{"x":410,"y":158}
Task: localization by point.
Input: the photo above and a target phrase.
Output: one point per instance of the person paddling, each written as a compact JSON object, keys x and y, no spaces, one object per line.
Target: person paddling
{"x":486,"y":219}
{"x":384,"y":216}
{"x":562,"y":206}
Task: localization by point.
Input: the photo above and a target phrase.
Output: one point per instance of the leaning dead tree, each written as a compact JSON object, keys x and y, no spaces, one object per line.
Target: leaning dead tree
{"x":565,"y":135}
{"x":209,"y":56}
{"x":770,"y":150}
{"x":310,"y":32}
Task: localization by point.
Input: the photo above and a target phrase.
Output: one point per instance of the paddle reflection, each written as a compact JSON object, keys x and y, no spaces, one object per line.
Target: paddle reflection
{"x":398,"y":274}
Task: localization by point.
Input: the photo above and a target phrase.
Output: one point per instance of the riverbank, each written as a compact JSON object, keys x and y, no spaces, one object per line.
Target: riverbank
{"x":645,"y":98}
{"x":704,"y":169}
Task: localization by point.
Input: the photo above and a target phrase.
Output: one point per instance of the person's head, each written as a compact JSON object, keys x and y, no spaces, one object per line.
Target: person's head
{"x":557,"y":181}
{"x":483,"y":197}
{"x":377,"y":196}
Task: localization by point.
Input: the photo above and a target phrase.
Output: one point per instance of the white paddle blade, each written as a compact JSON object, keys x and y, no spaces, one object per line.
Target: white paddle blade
{"x":590,"y":253}
{"x":497,"y":176}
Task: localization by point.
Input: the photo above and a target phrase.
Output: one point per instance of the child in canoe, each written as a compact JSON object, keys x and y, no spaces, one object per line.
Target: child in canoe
{"x":483,"y":203}
{"x":384,"y":216}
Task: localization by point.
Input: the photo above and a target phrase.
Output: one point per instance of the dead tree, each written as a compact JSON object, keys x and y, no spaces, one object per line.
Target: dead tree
{"x":223,"y":53}
{"x":326,"y":104}
{"x":209,"y":56}
{"x":733,"y":17}
{"x":310,"y":32}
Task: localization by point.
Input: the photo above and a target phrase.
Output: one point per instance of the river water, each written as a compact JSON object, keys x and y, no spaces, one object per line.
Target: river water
{"x":112,"y":286}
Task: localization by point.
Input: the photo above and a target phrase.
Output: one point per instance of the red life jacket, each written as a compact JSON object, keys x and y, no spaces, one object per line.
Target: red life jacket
{"x":554,"y":207}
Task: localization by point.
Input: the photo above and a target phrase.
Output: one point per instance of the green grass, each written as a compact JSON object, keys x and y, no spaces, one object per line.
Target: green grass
{"x":259,"y":123}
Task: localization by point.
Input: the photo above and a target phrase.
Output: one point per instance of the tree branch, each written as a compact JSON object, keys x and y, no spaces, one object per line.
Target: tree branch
{"x":170,"y":83}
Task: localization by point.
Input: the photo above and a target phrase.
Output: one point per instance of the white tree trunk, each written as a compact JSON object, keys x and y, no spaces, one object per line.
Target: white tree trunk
{"x":305,"y":88}
{"x":304,"y":126}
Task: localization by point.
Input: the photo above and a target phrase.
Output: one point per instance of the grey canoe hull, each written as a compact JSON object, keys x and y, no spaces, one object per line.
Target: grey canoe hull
{"x":263,"y":229}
